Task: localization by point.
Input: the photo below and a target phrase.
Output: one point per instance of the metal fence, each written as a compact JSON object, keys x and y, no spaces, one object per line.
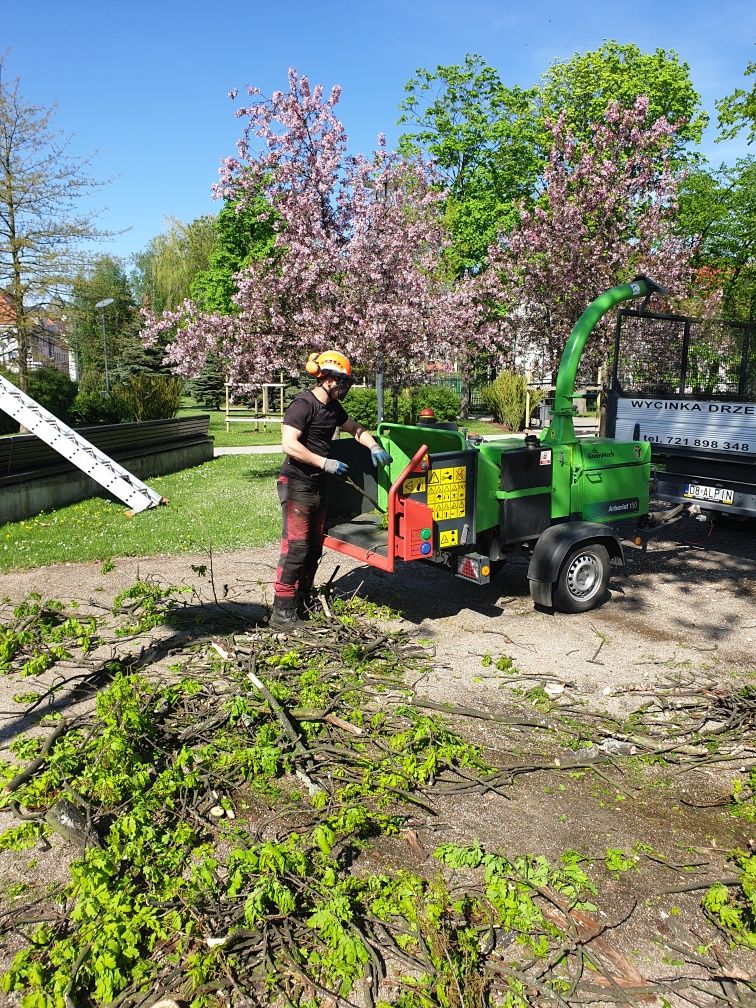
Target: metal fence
{"x":485,"y":373}
{"x":676,"y":355}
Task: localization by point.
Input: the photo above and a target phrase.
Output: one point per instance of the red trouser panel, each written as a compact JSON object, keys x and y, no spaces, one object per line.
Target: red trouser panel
{"x":303,"y":511}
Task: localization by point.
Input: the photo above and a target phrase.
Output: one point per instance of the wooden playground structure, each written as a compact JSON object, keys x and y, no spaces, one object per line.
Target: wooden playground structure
{"x":266,"y":407}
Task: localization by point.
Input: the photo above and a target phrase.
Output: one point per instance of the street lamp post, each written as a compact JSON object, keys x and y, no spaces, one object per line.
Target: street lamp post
{"x":102,"y":305}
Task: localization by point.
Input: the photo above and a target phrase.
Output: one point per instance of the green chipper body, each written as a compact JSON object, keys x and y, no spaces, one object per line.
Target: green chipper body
{"x":468,"y":506}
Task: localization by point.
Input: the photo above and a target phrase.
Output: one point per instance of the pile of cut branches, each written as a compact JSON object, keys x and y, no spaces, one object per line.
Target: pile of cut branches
{"x":230,"y":811}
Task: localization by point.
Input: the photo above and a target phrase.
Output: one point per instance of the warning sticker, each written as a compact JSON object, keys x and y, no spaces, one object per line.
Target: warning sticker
{"x":545,"y":457}
{"x":447,"y":493}
{"x":448,"y":538}
{"x":454,"y":474}
{"x":415,"y":484}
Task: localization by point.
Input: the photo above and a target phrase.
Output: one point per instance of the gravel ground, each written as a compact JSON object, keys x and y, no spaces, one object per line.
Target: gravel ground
{"x":691,"y":594}
{"x":683,"y":611}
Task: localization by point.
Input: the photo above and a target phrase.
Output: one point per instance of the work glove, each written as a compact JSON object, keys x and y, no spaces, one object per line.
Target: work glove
{"x":380,"y":456}
{"x":336,"y":468}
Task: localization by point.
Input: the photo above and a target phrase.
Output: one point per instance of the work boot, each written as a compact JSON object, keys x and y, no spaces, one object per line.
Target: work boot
{"x":284,"y":616}
{"x":306,"y":604}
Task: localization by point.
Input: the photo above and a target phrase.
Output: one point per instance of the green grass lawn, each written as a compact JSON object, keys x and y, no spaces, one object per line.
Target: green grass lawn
{"x":484,"y":427}
{"x":228,"y":503}
{"x":239,"y":435}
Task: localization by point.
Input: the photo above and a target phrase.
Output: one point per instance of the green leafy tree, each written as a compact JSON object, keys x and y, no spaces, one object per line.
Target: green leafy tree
{"x":105,"y":279}
{"x":718,"y":214}
{"x":738,"y":110}
{"x":583,"y":87}
{"x":483,"y":137}
{"x":164,"y":272}
{"x":242,"y":234}
{"x":491,"y":141}
{"x":42,"y":228}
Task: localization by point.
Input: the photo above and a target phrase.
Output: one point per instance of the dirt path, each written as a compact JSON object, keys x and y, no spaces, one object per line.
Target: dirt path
{"x":689,"y":596}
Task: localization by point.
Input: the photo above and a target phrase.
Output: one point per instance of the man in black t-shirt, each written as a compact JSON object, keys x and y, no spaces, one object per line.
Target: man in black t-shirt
{"x":307,"y":431}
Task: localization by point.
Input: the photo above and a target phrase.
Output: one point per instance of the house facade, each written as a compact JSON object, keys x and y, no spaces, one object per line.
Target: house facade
{"x":48,"y":342}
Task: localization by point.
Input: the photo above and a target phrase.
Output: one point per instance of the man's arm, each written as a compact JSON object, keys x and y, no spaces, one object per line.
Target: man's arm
{"x":293,"y":447}
{"x":360,"y":434}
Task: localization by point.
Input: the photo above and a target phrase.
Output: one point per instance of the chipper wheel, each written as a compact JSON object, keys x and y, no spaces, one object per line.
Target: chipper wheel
{"x":583,"y":578}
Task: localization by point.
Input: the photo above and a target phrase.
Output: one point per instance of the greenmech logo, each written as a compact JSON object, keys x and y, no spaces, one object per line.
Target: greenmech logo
{"x":597,"y":453}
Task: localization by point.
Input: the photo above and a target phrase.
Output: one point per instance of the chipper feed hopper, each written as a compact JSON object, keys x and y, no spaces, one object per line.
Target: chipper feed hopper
{"x":468,"y":506}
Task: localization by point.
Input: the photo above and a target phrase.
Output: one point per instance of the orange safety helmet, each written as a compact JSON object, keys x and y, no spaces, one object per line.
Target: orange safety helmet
{"x":329,"y":364}
{"x":426,"y":413}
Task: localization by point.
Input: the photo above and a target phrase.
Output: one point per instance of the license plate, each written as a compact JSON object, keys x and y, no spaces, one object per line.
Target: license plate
{"x":718,"y":495}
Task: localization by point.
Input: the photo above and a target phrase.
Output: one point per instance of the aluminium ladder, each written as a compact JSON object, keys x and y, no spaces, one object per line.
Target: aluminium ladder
{"x":72,"y":446}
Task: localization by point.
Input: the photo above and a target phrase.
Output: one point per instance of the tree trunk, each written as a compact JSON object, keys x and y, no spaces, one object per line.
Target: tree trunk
{"x":395,"y":390}
{"x":23,"y":350}
{"x":465,"y":396}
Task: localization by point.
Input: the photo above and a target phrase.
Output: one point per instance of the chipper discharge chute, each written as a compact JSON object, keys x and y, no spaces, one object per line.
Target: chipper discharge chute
{"x":468,"y":506}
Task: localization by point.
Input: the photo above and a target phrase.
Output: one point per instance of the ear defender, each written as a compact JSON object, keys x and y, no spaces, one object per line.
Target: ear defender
{"x":312,"y":367}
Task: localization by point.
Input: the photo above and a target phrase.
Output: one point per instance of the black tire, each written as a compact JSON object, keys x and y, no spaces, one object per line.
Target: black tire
{"x":583,"y":579}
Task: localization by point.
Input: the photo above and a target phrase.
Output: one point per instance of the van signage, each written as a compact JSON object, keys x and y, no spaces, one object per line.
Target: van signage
{"x":689,"y":425}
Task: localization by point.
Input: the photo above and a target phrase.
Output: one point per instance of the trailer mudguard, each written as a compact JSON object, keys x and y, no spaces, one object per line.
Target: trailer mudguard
{"x":554,"y":544}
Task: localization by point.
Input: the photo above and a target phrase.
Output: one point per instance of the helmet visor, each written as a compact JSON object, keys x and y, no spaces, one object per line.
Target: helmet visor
{"x":343,"y":384}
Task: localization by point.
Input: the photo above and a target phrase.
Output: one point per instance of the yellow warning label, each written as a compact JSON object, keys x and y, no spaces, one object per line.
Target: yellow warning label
{"x":454,"y":474}
{"x":416,"y":484}
{"x":448,"y":538}
{"x":447,"y":493}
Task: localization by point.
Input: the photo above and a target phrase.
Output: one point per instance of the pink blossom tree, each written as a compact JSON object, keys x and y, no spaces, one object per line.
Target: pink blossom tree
{"x":606,"y":213}
{"x":475,"y":326}
{"x":357,"y":255}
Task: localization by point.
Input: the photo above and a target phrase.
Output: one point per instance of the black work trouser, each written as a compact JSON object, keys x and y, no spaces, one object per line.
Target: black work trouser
{"x":303,"y":512}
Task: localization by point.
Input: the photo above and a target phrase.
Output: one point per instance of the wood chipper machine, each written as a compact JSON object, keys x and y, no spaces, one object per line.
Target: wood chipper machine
{"x":467,"y":505}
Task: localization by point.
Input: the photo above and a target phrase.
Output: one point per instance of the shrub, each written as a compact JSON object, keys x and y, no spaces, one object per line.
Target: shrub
{"x":92,"y":408}
{"x":53,"y":390}
{"x":362,"y":405}
{"x":91,"y":380}
{"x":505,"y":397}
{"x":47,"y":386}
{"x":151,"y":396}
{"x":443,"y":401}
{"x":7,"y":424}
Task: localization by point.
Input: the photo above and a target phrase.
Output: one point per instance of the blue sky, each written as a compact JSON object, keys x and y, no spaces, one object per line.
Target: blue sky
{"x":144,"y":86}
